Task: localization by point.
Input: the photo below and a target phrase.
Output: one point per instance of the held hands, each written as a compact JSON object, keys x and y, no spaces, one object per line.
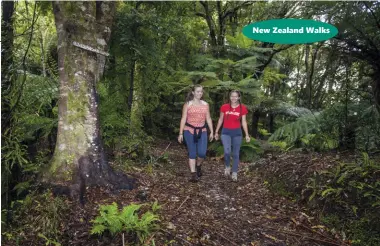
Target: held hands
{"x":247,"y":138}
{"x":180,"y":138}
{"x":216,"y":136}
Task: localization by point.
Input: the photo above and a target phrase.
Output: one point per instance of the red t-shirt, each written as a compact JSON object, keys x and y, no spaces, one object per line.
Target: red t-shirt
{"x":232,"y":116}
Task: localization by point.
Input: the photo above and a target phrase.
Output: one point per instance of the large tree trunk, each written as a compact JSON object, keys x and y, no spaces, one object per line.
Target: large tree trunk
{"x":6,"y":59}
{"x":6,"y":84}
{"x":210,"y":23}
{"x":79,"y":151}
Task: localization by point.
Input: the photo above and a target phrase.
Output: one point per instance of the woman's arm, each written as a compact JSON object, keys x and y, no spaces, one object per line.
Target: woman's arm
{"x":245,"y":128}
{"x":183,"y":122}
{"x":220,"y":122}
{"x":209,"y":123}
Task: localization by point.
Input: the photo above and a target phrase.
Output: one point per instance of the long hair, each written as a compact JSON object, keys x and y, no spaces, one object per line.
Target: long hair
{"x":190,"y":95}
{"x":239,"y":101}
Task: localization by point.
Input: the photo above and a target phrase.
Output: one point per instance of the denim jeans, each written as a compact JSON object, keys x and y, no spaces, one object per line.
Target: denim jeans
{"x":236,"y":142}
{"x":193,"y":148}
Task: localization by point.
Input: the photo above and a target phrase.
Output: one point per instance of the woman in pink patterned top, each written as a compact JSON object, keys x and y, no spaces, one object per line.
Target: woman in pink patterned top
{"x":195,"y":114}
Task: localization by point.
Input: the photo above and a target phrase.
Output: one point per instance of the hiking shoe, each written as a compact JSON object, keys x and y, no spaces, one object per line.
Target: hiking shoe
{"x":227,"y":171}
{"x":234,"y":177}
{"x":199,"y":171}
{"x":194,"y":177}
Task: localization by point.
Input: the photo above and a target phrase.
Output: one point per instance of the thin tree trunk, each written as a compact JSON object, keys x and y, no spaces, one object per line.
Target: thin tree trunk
{"x":130,"y":96}
{"x":255,"y":123}
{"x":222,"y":28}
{"x":131,"y":85}
{"x":298,"y":76}
{"x":307,"y":53}
{"x":271,"y":123}
{"x":43,"y":56}
{"x":376,"y":89}
{"x":310,"y":84}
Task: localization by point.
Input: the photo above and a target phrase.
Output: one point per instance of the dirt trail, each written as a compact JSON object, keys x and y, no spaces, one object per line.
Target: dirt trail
{"x":217,"y":211}
{"x":214,"y":211}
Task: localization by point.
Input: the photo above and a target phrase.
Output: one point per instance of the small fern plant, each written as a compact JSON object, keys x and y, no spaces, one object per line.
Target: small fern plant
{"x":126,"y":221}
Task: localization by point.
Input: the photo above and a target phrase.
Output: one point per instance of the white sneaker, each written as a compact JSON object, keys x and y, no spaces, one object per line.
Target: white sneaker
{"x":227,"y":171}
{"x":234,"y":177}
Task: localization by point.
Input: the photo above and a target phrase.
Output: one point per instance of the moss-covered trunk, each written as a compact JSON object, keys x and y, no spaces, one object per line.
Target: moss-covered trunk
{"x":79,"y":146}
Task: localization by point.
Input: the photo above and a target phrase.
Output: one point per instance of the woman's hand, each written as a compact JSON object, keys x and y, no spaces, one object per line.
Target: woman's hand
{"x":180,"y":138}
{"x":247,"y":138}
{"x":216,"y":136}
{"x":211,"y":136}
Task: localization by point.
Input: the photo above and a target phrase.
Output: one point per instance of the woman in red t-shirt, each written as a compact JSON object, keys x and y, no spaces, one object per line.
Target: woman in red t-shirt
{"x":233,"y":116}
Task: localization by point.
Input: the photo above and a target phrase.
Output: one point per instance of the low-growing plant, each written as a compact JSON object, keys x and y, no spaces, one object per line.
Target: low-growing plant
{"x":37,"y":214}
{"x":280,"y":144}
{"x":352,"y":191}
{"x":127,"y":220}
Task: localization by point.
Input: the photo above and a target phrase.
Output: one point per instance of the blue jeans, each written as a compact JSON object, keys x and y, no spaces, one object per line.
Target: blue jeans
{"x":236,"y":141}
{"x":194,"y":148}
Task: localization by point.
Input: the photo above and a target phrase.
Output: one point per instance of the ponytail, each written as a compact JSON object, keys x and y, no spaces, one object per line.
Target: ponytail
{"x":190,"y":96}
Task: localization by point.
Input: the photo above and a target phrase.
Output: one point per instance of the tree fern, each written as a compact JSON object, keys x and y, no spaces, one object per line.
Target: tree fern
{"x":247,"y":65}
{"x":296,"y":130}
{"x":219,"y":66}
{"x":330,"y":126}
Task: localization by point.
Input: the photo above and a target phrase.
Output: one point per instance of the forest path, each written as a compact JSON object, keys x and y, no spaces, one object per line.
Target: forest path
{"x":218,"y":211}
{"x":214,"y":211}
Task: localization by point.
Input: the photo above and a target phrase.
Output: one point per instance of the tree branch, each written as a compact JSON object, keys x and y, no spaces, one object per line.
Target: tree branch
{"x":373,"y":14}
{"x":230,"y":12}
{"x":364,"y":36}
{"x":200,"y":14}
{"x":362,"y":49}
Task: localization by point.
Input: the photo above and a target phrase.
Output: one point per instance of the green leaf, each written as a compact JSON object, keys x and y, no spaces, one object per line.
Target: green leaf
{"x":98,"y":229}
{"x":328,"y":191}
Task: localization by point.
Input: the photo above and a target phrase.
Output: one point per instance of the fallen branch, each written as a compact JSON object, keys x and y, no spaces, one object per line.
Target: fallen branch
{"x":311,"y":238}
{"x":177,"y":236}
{"x":149,"y":239}
{"x":177,"y":211}
{"x":183,"y":202}
{"x":225,"y":238}
{"x":311,"y":230}
{"x":165,"y":149}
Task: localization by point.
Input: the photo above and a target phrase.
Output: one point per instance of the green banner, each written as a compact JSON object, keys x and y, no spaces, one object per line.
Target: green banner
{"x":290,"y":31}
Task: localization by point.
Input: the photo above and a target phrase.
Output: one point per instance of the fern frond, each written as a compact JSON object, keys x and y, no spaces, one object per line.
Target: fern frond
{"x":98,"y":229}
{"x":295,"y":130}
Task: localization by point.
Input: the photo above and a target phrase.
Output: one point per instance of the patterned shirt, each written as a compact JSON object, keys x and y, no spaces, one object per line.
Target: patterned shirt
{"x":196,"y":116}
